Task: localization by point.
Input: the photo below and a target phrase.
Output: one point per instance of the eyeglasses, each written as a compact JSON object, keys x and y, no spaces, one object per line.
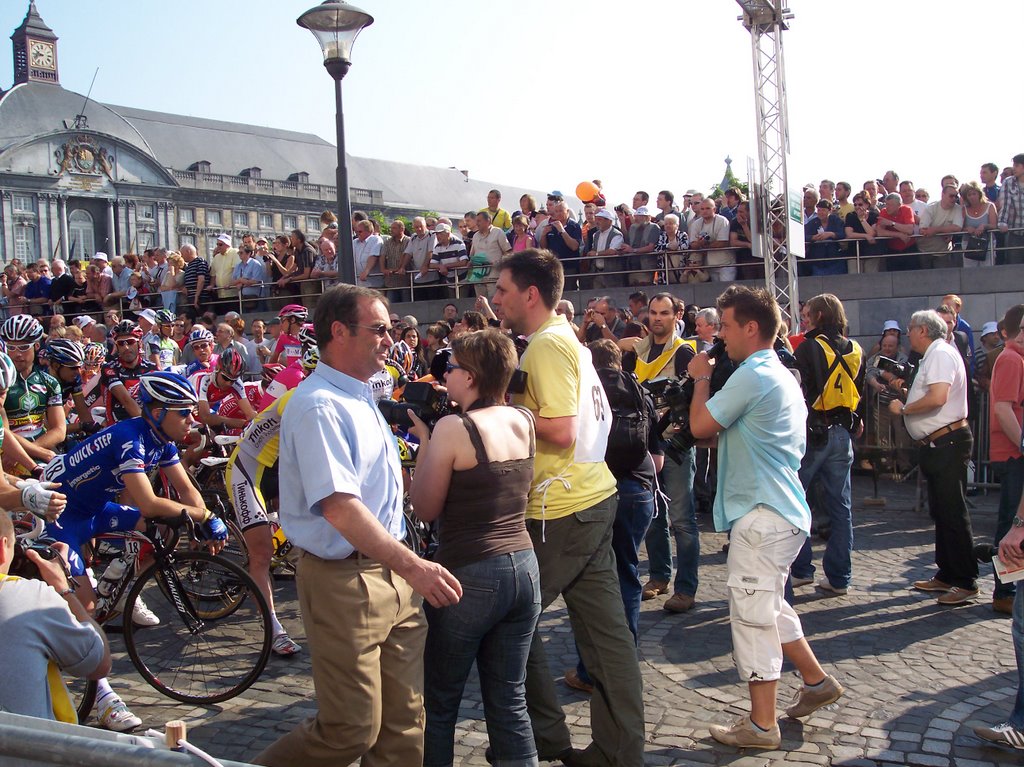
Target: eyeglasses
{"x":128,"y":342}
{"x":450,"y":367}
{"x":378,"y":330}
{"x":20,"y":348}
{"x":200,"y":344}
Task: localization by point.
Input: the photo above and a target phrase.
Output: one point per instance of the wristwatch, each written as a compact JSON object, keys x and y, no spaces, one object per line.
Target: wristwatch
{"x":1017,"y":521}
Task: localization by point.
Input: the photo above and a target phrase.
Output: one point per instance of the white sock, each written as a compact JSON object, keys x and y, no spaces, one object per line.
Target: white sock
{"x":275,"y":626}
{"x":103,"y":689}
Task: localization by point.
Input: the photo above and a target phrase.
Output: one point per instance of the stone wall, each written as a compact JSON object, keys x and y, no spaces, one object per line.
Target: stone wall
{"x":869,"y":299}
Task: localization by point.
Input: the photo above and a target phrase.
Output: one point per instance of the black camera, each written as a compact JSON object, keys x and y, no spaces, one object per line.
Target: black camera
{"x":419,"y":397}
{"x":674,"y":395}
{"x":899,"y":369}
{"x":23,"y":567}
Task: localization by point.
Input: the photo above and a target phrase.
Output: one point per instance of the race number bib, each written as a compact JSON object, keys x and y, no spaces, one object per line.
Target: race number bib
{"x":594,"y":422}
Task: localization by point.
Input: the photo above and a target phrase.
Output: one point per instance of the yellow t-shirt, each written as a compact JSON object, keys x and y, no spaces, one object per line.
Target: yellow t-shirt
{"x":561,"y":484}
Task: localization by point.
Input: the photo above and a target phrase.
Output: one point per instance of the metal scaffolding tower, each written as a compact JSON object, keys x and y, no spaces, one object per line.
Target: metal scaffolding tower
{"x":766,"y":20}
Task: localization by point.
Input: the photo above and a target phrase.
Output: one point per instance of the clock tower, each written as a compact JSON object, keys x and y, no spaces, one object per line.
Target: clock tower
{"x":35,"y":50}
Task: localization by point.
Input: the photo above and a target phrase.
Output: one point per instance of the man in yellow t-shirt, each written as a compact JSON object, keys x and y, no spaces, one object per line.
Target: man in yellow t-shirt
{"x":500,"y":217}
{"x":570,"y":514}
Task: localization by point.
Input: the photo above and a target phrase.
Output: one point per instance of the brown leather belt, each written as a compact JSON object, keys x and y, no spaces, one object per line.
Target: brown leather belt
{"x":948,"y":429}
{"x":356,"y":555}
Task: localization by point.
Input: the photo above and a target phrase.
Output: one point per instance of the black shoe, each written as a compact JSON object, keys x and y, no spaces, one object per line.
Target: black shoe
{"x":567,"y":756}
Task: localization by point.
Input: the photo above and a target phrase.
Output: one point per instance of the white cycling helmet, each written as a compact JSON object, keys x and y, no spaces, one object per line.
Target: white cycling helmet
{"x":21,"y":329}
{"x":8,"y":373}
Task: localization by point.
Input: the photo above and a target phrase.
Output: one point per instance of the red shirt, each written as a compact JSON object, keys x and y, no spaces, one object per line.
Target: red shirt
{"x":1007,"y":386}
{"x":905,"y":215}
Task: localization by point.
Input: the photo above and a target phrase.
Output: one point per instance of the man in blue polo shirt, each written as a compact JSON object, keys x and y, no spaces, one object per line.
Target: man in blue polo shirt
{"x":760,"y":417}
{"x":359,"y":587}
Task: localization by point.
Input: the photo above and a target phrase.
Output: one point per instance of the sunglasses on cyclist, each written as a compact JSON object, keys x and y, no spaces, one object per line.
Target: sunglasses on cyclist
{"x":20,"y":348}
{"x":127,"y":342}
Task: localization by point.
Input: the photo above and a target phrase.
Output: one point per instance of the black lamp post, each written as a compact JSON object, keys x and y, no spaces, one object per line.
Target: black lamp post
{"x":335,"y":25}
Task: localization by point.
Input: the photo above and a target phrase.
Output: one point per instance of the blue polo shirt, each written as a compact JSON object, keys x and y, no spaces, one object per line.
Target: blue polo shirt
{"x":252,"y":269}
{"x":764,"y":417}
{"x":334,"y":440}
{"x":556,"y":244}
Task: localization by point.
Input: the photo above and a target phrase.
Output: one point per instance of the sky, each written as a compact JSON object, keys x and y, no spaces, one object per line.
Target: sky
{"x":541,"y":94}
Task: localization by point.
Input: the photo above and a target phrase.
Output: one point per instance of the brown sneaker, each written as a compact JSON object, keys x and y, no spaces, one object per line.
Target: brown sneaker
{"x":810,"y":699}
{"x":678,"y":603}
{"x":932,"y":584}
{"x":572,"y":679}
{"x":957,"y":596}
{"x":743,"y":734}
{"x":1003,"y":605}
{"x":653,"y":588}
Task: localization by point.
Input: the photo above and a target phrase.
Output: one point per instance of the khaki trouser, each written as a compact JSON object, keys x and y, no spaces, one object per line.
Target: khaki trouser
{"x":366,"y":633}
{"x":576,"y":561}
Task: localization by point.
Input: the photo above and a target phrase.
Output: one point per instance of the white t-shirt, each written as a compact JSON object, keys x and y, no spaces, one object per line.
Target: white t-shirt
{"x":717,"y":230}
{"x":941,"y":364}
{"x":362,"y":252}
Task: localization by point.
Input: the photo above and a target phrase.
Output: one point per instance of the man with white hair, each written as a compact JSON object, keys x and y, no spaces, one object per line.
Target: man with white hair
{"x":641,"y":239}
{"x":936,"y":416}
{"x":120,"y":282}
{"x":709,"y":234}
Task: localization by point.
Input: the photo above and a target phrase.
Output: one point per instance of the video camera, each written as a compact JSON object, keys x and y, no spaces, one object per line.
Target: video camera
{"x":674,"y":395}
{"x":421,"y":398}
{"x":901,"y":370}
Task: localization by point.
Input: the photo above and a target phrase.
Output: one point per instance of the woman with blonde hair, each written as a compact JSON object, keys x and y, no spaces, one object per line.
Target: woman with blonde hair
{"x":979,"y":219}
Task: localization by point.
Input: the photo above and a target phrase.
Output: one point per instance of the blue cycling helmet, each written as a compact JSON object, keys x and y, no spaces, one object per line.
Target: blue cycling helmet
{"x":171,"y":390}
{"x":64,"y":351}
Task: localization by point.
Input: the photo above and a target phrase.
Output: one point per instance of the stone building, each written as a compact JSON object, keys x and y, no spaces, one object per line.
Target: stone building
{"x":77,"y":176}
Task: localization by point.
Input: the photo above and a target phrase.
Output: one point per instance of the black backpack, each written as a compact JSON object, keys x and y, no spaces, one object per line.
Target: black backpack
{"x":631,"y":422}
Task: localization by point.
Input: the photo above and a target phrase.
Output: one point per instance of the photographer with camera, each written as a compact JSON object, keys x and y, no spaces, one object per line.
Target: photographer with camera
{"x":46,"y":631}
{"x":474,"y":475}
{"x":832,"y":375}
{"x":761,"y":419}
{"x":664,"y":354}
{"x":569,"y":517}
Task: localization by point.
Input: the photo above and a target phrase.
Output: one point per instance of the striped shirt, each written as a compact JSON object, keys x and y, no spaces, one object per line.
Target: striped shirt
{"x":1011,"y":204}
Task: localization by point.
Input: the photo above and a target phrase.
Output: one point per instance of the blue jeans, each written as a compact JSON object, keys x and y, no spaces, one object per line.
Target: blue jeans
{"x":632,"y":518}
{"x":492,"y":624}
{"x":1011,"y":484}
{"x":677,"y":483}
{"x":831,"y":463}
{"x":1017,"y":716}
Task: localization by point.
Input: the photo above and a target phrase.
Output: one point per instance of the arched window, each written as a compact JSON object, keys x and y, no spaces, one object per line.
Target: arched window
{"x":82,"y":235}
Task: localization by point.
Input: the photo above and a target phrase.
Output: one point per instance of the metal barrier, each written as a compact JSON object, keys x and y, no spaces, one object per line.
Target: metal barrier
{"x":29,"y":742}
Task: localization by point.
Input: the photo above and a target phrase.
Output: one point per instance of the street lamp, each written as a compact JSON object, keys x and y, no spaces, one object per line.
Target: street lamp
{"x":335,"y":25}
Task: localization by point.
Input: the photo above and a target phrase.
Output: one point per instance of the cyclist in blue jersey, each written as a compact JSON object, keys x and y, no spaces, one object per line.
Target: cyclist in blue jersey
{"x":112,"y":466}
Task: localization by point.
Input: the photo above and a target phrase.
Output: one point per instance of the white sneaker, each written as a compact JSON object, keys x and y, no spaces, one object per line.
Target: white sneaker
{"x":143,"y":616}
{"x":116,"y":716}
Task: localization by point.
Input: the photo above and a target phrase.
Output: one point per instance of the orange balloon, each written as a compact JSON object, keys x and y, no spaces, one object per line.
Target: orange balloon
{"x":587,"y":190}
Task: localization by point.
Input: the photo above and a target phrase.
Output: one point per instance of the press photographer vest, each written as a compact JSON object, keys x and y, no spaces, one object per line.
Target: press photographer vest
{"x":646,"y":371}
{"x":838,"y":387}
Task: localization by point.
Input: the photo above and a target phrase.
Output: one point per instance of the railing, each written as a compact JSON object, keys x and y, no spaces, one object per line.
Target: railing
{"x":229,"y":183}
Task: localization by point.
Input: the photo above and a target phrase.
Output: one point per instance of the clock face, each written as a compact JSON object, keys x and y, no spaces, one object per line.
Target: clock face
{"x":41,"y":55}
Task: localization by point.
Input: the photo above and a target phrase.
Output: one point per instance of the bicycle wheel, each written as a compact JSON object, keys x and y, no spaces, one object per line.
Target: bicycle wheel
{"x":83,"y":696}
{"x":197,"y":654}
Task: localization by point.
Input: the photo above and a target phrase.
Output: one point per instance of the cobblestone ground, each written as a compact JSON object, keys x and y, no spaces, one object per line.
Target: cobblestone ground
{"x":918,"y":676}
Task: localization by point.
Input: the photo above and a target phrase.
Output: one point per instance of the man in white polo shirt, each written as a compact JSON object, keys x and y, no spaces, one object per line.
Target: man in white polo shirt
{"x":936,"y":416}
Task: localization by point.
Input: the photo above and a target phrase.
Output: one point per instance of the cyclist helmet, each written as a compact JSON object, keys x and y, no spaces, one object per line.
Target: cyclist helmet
{"x":8,"y":373}
{"x":21,"y":329}
{"x":164,"y":317}
{"x":3,"y":346}
{"x":64,"y":351}
{"x":126,"y":328}
{"x":270,"y":371}
{"x":307,"y":336}
{"x":94,"y":354}
{"x":294,"y":312}
{"x":200,"y":334}
{"x":230,"y":364}
{"x":310,"y":358}
{"x":168,"y":389}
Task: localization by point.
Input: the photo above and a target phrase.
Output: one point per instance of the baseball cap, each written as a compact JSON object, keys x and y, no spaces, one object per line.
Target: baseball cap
{"x":442,"y":228}
{"x":100,"y":256}
{"x":605,"y":213}
{"x":690,"y":193}
{"x":891,"y":325}
{"x":225,"y":238}
{"x":989,"y":327}
{"x":84,"y":321}
{"x":148,"y":314}
{"x":641,"y":211}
